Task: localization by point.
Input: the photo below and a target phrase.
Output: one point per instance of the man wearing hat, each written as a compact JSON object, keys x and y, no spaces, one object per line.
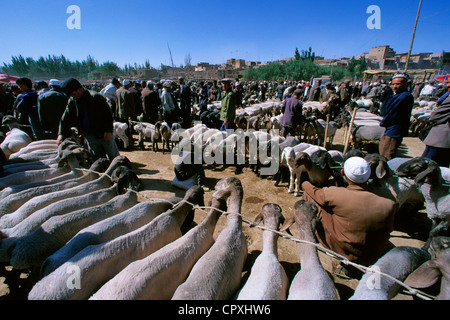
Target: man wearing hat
{"x":228,"y":108}
{"x":396,"y":113}
{"x":150,"y":103}
{"x":168,"y":104}
{"x":26,"y":107}
{"x":292,"y":113}
{"x":90,"y":113}
{"x":125,"y":103}
{"x":51,"y":106}
{"x":353,"y":221}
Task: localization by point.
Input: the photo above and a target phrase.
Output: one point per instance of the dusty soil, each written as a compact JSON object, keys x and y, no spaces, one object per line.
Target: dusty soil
{"x":156,"y":172}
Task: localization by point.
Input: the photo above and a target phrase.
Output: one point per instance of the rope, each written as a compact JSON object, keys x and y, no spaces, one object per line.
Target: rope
{"x":284,"y":235}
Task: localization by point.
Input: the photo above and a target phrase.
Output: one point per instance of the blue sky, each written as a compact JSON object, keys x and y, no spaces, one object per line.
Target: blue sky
{"x":214,"y":31}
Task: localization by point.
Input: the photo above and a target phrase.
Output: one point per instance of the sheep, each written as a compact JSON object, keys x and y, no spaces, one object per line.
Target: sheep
{"x":100,"y":263}
{"x":13,"y":201}
{"x":217,"y":274}
{"x":166,"y":135}
{"x":403,"y":189}
{"x":428,"y":178}
{"x":33,"y":249}
{"x":15,"y":140}
{"x":50,"y":146}
{"x":320,"y":128}
{"x":120,"y":129}
{"x":75,"y":172}
{"x":398,"y":262}
{"x":148,"y":130}
{"x":44,"y":200}
{"x":108,"y":229}
{"x":161,"y":272}
{"x":268,"y":279}
{"x":312,"y":281}
{"x":435,"y":269}
{"x":32,"y":222}
{"x":73,"y":157}
{"x":364,"y":134}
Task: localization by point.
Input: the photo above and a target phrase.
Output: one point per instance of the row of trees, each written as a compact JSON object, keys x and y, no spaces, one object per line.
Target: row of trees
{"x":303,"y":67}
{"x":54,"y":66}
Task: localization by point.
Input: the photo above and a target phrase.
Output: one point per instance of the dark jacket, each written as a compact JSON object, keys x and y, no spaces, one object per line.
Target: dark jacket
{"x":51,"y":106}
{"x":150,"y":103}
{"x":396,"y":113}
{"x":439,"y":135}
{"x":91,"y":114}
{"x":292,"y":112}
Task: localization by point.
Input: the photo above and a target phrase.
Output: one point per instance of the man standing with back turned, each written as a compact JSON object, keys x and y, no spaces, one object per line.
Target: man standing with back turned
{"x":396,"y":113}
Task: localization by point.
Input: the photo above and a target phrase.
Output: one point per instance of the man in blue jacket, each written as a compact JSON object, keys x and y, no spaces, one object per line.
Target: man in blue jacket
{"x":292,"y":114}
{"x":396,"y":113}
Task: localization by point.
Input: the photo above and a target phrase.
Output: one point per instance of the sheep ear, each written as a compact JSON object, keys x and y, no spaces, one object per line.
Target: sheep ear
{"x":432,"y":168}
{"x":424,"y":276}
{"x":381,"y":170}
{"x":257,"y":221}
{"x":287,"y":224}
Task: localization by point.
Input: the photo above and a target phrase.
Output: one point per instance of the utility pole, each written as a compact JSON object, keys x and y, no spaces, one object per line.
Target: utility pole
{"x":413,"y":35}
{"x":173,"y":66}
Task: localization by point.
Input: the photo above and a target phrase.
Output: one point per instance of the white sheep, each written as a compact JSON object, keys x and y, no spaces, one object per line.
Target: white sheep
{"x":398,"y":262}
{"x":100,"y":263}
{"x":161,"y":272}
{"x":268,"y":279}
{"x":217,"y":274}
{"x":119,"y":132}
{"x":312,"y":282}
{"x":15,"y":140}
{"x":33,"y":249}
{"x":108,"y":229}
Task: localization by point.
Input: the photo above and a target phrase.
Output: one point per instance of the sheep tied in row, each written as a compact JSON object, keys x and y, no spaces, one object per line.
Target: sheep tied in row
{"x":121,"y":249}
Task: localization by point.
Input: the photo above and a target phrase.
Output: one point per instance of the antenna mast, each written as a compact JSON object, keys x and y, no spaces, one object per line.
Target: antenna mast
{"x":171,"y":59}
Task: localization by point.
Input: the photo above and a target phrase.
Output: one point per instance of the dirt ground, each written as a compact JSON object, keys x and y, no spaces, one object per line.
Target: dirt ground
{"x":156,"y":172}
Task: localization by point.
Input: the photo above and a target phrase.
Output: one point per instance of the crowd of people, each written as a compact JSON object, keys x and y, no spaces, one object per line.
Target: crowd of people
{"x":52,"y":109}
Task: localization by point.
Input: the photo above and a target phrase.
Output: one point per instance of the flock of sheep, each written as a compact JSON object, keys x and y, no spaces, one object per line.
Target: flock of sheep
{"x":80,"y":226}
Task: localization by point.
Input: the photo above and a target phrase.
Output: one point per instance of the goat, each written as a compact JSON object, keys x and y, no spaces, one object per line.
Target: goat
{"x":312,"y":281}
{"x":268,"y":279}
{"x":217,"y":274}
{"x":398,"y":262}
{"x":437,"y":268}
{"x":102,"y":262}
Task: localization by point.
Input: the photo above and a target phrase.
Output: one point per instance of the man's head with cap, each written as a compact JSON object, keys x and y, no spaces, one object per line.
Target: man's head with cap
{"x":400,"y":82}
{"x":126,"y":83}
{"x":72,"y":87}
{"x":356,"y":170}
{"x":54,"y":83}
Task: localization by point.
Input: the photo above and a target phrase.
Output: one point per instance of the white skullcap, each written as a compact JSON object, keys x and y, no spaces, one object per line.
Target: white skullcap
{"x":357,"y":169}
{"x":126,"y":82}
{"x":54,"y":82}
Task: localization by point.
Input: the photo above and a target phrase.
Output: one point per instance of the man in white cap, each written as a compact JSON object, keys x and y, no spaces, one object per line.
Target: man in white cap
{"x":51,"y":106}
{"x":353,"y":221}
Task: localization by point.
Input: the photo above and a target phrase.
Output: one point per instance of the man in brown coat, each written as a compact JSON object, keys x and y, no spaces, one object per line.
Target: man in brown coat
{"x":354,"y":221}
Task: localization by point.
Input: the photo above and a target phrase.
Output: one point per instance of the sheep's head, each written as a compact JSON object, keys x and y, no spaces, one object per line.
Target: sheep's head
{"x":305,"y":214}
{"x":354,"y":153}
{"x":125,"y":178}
{"x":83,"y":156}
{"x":195,"y":194}
{"x":421,"y":169}
{"x":378,"y":165}
{"x":100,"y":165}
{"x":121,"y":161}
{"x":302,"y":158}
{"x":226,"y":186}
{"x":270,"y":215}
{"x":323,"y":159}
